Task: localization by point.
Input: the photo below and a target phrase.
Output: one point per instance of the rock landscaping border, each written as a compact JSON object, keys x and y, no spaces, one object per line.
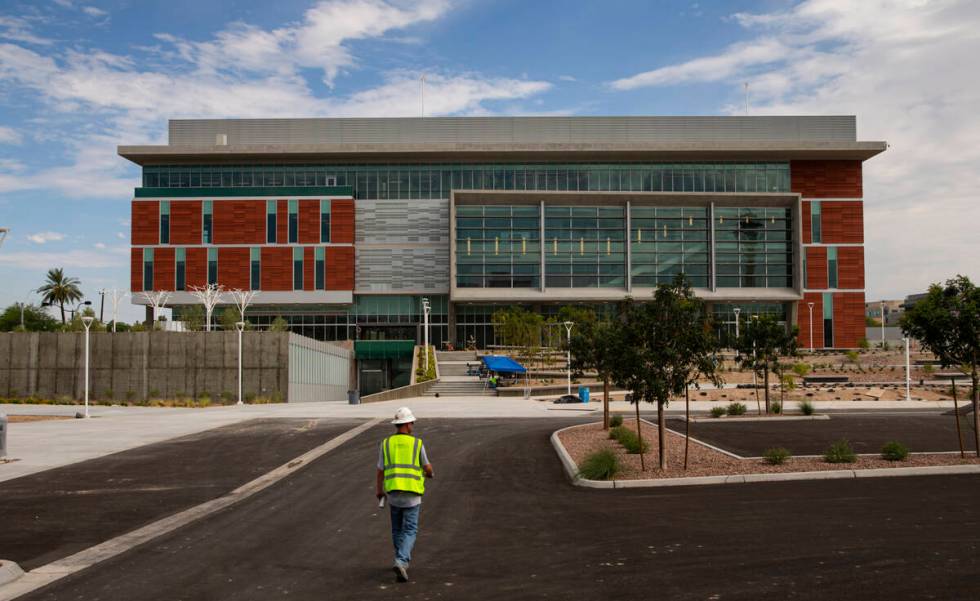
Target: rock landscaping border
{"x":754,"y":418}
{"x":572,"y":471}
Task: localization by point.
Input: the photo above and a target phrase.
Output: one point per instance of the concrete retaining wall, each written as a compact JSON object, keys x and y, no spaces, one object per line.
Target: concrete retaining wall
{"x":405,"y":392}
{"x":137,"y":366}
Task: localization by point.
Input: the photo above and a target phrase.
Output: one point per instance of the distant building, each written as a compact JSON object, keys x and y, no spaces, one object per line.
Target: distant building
{"x":893,"y":310}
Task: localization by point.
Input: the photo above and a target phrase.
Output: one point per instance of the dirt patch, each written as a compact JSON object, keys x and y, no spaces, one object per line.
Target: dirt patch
{"x":705,"y":461}
{"x":18,"y":419}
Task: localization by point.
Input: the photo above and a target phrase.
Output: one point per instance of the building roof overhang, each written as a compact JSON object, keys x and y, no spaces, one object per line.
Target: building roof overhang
{"x":726,"y":150}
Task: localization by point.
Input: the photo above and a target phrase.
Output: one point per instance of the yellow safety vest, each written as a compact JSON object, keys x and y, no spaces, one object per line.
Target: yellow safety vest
{"x":402,"y":463}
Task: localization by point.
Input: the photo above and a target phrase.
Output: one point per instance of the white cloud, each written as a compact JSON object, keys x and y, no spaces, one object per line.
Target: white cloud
{"x":93,"y":11}
{"x":114,"y":257}
{"x":905,"y":69}
{"x":9,"y":135}
{"x":44,"y":237}
{"x":567,"y":78}
{"x":100,"y":245}
{"x":120,"y":235}
{"x":19,"y":29}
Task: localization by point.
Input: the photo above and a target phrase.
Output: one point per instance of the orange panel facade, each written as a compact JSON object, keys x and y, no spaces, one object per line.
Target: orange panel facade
{"x":342,"y":221}
{"x":277,"y":268}
{"x":185,"y":222}
{"x":850,"y":268}
{"x":163,"y":268}
{"x":842,"y":222}
{"x":849,"y":326}
{"x":340,"y":268}
{"x":233,"y":268}
{"x":196,"y":267}
{"x":135,"y":269}
{"x":238,"y":221}
{"x":309,"y":222}
{"x":145,"y":222}
{"x":816,"y":267}
{"x":826,"y":179}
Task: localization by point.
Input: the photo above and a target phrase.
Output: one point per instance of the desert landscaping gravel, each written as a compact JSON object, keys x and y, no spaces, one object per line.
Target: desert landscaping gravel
{"x":580,"y":441}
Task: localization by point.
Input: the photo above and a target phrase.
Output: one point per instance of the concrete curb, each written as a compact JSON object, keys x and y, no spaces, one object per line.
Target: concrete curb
{"x":571,"y":470}
{"x":56,"y":570}
{"x":774,"y":418}
{"x":9,"y":571}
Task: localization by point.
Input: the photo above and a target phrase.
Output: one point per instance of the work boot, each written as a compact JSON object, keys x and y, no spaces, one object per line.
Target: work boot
{"x":401,"y":573}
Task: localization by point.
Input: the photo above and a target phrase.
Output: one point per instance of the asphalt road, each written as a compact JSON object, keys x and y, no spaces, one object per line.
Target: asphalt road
{"x":58,"y":512}
{"x":500,"y":522}
{"x":867,"y":433}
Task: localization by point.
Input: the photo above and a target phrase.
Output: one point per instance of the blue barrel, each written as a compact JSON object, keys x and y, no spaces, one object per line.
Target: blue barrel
{"x":583,"y":393}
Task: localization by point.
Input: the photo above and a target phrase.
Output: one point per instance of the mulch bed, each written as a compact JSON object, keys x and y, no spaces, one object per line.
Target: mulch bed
{"x":705,"y":461}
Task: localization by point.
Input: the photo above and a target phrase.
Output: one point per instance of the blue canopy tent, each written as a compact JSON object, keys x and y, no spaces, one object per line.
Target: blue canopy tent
{"x":505,"y":365}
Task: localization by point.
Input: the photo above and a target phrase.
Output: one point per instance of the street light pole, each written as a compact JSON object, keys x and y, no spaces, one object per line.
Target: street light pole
{"x":240,"y":326}
{"x":425,"y":318}
{"x":810,"y":305}
{"x":737,"y":310}
{"x":568,"y":328}
{"x":87,"y":322}
{"x":908,"y":373}
{"x":882,"y":324}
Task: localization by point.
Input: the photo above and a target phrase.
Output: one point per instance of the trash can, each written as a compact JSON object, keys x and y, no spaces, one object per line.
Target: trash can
{"x":353,"y":398}
{"x":583,"y":393}
{"x":3,"y":434}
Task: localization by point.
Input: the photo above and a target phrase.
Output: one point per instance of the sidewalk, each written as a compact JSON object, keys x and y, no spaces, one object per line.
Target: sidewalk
{"x":42,"y":445}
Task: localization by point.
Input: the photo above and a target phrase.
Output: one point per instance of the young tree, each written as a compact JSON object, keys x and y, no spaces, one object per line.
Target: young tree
{"x":518,"y":327}
{"x":947,"y":323}
{"x":59,"y":289}
{"x":663,"y":346}
{"x":228,"y":318}
{"x":761,"y":342}
{"x":193,"y":317}
{"x":594,"y":346}
{"x":35,"y":318}
{"x":209,"y":296}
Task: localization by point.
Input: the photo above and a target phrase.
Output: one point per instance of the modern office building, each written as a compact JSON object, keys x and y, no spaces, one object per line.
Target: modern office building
{"x":344,"y":225}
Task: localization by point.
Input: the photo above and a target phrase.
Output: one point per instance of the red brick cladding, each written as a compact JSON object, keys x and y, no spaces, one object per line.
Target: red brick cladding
{"x":309,"y":222}
{"x":282,"y":222}
{"x":342,"y":221}
{"x":185,"y":222}
{"x":163,"y":268}
{"x":340,"y":267}
{"x":826,"y":179}
{"x":233,"y":268}
{"x":196,"y":267}
{"x":850,"y":268}
{"x":803,"y":320}
{"x":842,"y":222}
{"x":238,"y":222}
{"x":816,"y":267}
{"x":135,"y":269}
{"x":277,"y":268}
{"x":145,"y":222}
{"x":309,"y":269}
{"x":849,"y":326}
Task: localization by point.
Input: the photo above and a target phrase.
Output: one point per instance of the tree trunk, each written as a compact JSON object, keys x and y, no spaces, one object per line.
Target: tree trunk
{"x":605,"y":403}
{"x":765,"y":382}
{"x":956,"y":414}
{"x":660,"y":436}
{"x":755,"y":387}
{"x":639,"y":432}
{"x":62,"y":305}
{"x":687,"y":423}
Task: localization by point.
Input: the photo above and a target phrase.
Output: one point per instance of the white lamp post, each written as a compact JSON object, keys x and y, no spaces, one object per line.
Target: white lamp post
{"x":240,"y":326}
{"x":882,"y":324}
{"x":426,"y":308}
{"x":568,"y":328}
{"x":908,"y":373}
{"x":810,"y":305}
{"x":87,"y":322}
{"x":737,"y":310}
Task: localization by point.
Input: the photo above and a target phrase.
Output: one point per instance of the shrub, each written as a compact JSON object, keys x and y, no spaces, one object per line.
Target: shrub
{"x":776,"y":456}
{"x":616,"y":421}
{"x":806,"y":407}
{"x":852,"y":356}
{"x":736,"y":409}
{"x":107,"y":394}
{"x":894,"y":451}
{"x":614,"y":432}
{"x":227,"y":397}
{"x":629,"y":440}
{"x":776,"y":407}
{"x":864,"y":344}
{"x":801,"y":369}
{"x":718,"y":411}
{"x":600,"y":465}
{"x":928,"y":369}
{"x":840,"y":452}
{"x":204,"y":397}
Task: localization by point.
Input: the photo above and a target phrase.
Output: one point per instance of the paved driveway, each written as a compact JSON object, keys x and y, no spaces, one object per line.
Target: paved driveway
{"x":500,"y":522}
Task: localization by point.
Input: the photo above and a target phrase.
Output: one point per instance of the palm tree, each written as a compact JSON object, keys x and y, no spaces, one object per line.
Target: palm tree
{"x":59,"y":289}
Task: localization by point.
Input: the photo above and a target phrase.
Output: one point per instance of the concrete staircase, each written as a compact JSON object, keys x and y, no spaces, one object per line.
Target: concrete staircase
{"x":453,"y":380}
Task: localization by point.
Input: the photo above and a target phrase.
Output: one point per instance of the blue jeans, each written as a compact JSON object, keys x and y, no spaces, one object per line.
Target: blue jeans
{"x":404,"y":529}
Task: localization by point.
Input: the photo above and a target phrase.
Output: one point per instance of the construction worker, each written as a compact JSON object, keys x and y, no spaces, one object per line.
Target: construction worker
{"x":402,"y":468}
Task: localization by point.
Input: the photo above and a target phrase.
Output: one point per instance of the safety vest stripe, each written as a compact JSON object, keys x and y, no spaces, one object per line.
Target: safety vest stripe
{"x":407,"y":466}
{"x":409,"y":476}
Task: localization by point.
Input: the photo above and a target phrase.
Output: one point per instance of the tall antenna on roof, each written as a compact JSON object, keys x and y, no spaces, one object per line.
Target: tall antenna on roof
{"x":422,"y":95}
{"x":745,"y":86}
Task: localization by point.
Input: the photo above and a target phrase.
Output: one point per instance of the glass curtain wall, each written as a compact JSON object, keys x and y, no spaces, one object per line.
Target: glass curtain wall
{"x":753,"y":247}
{"x":435,"y":181}
{"x":498,"y":246}
{"x":666,"y":241}
{"x":584,"y":247}
{"x":724,"y":315}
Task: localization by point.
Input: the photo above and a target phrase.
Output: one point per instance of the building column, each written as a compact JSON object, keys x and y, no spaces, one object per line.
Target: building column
{"x":629,"y":249}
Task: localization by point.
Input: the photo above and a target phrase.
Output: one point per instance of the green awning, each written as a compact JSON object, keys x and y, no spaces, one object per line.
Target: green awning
{"x":384,"y":349}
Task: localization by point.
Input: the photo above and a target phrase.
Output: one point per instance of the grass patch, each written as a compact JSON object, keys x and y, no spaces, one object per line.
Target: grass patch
{"x":776,"y":456}
{"x":776,"y":407}
{"x":718,"y":411}
{"x":806,"y":407}
{"x":840,"y":452}
{"x":894,"y":451}
{"x":629,"y":440}
{"x":600,"y":465}
{"x":736,"y":409}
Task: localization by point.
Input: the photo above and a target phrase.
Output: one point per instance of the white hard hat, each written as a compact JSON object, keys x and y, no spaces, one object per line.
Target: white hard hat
{"x":403,"y":416}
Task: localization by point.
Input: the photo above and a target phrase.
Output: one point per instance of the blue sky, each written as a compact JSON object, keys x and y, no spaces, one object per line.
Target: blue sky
{"x":79,"y":77}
